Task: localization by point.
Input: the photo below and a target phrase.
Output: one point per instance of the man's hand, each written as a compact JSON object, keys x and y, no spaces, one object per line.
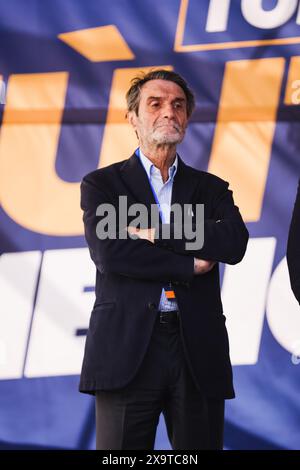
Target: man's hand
{"x":144,"y":233}
{"x":202,"y":266}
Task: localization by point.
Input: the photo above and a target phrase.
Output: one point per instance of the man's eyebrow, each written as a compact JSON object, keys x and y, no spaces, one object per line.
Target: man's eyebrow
{"x":150,"y":98}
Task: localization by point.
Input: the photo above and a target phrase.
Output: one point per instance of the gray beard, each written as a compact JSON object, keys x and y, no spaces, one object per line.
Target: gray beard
{"x":167,"y":139}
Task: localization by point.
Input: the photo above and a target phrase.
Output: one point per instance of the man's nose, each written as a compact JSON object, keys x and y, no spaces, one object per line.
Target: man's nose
{"x":168,"y":111}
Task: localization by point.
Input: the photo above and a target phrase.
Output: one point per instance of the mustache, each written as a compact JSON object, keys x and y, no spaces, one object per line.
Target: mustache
{"x":177,"y":127}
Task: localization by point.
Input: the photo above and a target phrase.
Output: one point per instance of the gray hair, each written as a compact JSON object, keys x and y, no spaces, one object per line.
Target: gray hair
{"x":134,"y":93}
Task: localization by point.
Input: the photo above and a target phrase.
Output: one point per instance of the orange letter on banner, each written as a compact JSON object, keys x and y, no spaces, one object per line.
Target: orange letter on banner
{"x":2,"y":90}
{"x":31,"y":192}
{"x":119,"y":140}
{"x":245,"y":128}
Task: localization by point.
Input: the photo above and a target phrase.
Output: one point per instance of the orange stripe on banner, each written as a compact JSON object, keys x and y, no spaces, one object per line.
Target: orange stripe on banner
{"x":100,"y":44}
{"x":245,"y":127}
{"x":237,"y":44}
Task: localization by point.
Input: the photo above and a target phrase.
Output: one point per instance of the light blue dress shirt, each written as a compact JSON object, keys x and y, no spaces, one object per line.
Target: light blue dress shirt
{"x":163,"y":193}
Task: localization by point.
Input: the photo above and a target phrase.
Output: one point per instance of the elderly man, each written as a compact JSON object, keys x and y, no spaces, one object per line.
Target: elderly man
{"x":157,"y":340}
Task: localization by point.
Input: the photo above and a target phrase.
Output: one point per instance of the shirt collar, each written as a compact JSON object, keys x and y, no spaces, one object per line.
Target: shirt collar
{"x":150,"y":168}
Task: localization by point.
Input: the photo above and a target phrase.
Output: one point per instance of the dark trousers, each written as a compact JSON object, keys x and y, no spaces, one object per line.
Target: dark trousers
{"x":127,"y":418}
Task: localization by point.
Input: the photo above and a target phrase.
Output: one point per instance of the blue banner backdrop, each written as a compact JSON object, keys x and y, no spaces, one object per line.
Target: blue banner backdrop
{"x":64,"y":68}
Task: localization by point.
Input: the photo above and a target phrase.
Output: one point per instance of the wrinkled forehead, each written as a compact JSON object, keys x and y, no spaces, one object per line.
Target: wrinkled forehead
{"x":162,"y":89}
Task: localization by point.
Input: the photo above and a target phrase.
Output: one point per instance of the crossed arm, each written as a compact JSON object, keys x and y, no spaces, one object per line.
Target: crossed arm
{"x":201,"y":266}
{"x":225,"y":235}
{"x":135,"y":258}
{"x":146,"y":257}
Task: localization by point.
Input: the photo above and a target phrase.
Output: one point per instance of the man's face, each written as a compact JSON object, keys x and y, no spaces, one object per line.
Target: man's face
{"x":162,"y":114}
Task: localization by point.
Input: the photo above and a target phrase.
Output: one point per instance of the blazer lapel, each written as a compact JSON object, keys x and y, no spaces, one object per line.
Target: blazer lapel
{"x":136,"y":181}
{"x":184,"y":185}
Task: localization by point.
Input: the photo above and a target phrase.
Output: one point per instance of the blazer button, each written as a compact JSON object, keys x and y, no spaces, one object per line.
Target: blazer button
{"x":152,"y":305}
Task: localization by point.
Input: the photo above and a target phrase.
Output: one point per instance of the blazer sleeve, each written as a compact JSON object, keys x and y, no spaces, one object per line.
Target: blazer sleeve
{"x":225,"y":234}
{"x":135,"y":258}
{"x":293,"y":248}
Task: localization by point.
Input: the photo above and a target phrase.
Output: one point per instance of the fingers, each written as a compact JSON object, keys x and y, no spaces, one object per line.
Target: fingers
{"x":203,"y":266}
{"x":145,"y":234}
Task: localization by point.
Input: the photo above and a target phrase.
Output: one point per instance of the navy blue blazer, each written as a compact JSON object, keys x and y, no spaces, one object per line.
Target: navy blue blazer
{"x":130,"y":275}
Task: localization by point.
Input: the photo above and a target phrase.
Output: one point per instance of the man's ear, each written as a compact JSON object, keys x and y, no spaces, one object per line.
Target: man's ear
{"x":131,"y":116}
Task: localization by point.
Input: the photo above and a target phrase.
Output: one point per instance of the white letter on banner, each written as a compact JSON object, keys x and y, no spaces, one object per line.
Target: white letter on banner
{"x":18,"y":277}
{"x":283,"y":311}
{"x":254,"y":13}
{"x":298,"y":16}
{"x":244,"y":296}
{"x":217,"y":17}
{"x":62,"y":308}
